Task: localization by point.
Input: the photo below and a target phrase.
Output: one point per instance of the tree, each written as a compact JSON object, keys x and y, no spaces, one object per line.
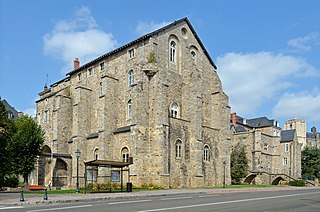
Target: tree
{"x":310,"y":163}
{"x":26,"y":145}
{"x":7,"y":130}
{"x":239,"y":164}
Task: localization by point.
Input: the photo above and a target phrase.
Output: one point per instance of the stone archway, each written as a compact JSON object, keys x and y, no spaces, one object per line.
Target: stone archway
{"x":60,"y":174}
{"x":44,"y":165}
{"x":277,"y":180}
{"x":250,"y":178}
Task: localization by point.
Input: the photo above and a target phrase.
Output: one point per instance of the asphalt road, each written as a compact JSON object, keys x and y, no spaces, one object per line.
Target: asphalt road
{"x":294,"y":200}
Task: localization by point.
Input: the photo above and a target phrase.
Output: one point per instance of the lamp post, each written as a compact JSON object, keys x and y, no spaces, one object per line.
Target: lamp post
{"x":77,"y":155}
{"x":224,"y":173}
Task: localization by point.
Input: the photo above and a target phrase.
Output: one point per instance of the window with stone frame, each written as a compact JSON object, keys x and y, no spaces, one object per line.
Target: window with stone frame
{"x":80,"y":76}
{"x":285,"y":161}
{"x":174,"y":110}
{"x":286,"y":147}
{"x":206,"y":153}
{"x":173,"y":51}
{"x":46,"y":116}
{"x":102,"y":66}
{"x":125,"y":154}
{"x":90,"y":71}
{"x":130,"y":78}
{"x":178,"y":149}
{"x":131,"y":53}
{"x":129,"y":109}
{"x":96,"y":154}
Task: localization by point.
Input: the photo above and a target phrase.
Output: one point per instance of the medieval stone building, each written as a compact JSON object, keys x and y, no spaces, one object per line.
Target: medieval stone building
{"x":273,"y":154}
{"x":157,"y":99}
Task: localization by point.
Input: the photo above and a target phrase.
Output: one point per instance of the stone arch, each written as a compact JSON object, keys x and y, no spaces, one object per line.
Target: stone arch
{"x":60,"y":173}
{"x":250,"y":178}
{"x":277,"y":180}
{"x":46,"y":149}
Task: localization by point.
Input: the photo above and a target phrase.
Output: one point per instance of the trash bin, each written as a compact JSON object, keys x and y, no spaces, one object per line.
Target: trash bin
{"x":129,"y":187}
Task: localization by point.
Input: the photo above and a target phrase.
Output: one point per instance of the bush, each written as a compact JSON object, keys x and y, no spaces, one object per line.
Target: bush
{"x":297,"y":183}
{"x":11,"y":181}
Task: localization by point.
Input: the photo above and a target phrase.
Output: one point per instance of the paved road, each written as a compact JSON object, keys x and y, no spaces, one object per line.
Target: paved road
{"x":284,"y":200}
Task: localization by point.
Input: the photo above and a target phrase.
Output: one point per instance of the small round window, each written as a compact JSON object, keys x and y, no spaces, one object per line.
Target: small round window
{"x":184,"y":32}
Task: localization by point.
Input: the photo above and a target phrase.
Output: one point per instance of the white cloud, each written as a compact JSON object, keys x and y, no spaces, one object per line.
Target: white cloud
{"x":253,"y":79}
{"x":304,"y":105}
{"x":143,"y":28}
{"x":79,"y":37}
{"x":304,"y":43}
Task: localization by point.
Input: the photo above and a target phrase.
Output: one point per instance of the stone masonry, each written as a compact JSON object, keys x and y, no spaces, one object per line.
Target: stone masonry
{"x":157,"y":99}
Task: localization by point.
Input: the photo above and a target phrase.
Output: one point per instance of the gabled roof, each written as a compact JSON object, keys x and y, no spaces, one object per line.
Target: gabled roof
{"x":287,"y":135}
{"x":144,"y":37}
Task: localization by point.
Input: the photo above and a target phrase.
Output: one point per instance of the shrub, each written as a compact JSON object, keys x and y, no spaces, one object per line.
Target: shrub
{"x":11,"y":181}
{"x":297,"y":183}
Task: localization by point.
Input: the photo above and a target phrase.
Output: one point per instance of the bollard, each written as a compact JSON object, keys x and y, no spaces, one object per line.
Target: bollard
{"x":21,"y":196}
{"x":45,"y":194}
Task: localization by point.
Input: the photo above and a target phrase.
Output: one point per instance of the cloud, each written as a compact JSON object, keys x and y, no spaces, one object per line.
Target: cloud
{"x":78,"y":37}
{"x":143,"y":28}
{"x":254,"y":79}
{"x":304,"y":105}
{"x":304,"y":43}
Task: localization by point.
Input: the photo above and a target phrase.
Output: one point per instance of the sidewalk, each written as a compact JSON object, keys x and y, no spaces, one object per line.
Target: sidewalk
{"x":13,"y":199}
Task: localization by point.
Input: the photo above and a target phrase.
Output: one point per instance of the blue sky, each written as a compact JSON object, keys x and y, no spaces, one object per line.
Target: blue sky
{"x":267,"y":52}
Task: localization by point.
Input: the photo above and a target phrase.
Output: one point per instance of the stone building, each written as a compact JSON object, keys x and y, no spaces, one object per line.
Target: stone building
{"x":301,"y":128}
{"x":11,"y":112}
{"x":313,"y":138}
{"x":157,"y":99}
{"x":273,"y":154}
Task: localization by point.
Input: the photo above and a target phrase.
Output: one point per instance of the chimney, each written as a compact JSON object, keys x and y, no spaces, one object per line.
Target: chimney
{"x":234,"y":119}
{"x":76,"y":63}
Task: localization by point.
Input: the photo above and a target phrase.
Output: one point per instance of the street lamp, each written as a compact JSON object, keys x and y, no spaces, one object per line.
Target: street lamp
{"x":224,"y":173}
{"x":77,"y":155}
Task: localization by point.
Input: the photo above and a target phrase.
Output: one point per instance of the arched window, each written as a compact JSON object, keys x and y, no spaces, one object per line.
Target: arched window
{"x":129,"y":109}
{"x":206,"y":153}
{"x":193,"y":56}
{"x":96,"y":153}
{"x":173,"y":51}
{"x":125,"y":154}
{"x":174,"y":110}
{"x":130,"y":78}
{"x":178,"y":149}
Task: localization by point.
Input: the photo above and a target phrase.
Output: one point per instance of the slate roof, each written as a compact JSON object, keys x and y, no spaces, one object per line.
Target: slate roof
{"x":10,"y":109}
{"x":260,"y":122}
{"x":144,"y":37}
{"x":287,"y":135}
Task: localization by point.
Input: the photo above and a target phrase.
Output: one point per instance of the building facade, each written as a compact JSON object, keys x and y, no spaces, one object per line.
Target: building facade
{"x":273,"y":154}
{"x":157,"y":99}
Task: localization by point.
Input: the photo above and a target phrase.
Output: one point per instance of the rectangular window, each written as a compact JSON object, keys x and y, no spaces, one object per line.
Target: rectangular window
{"x":131,"y":53}
{"x":90,"y":71}
{"x":286,"y":147}
{"x":79,"y":76}
{"x":101,"y":89}
{"x":285,"y":161}
{"x":46,"y":116}
{"x":102,"y":66}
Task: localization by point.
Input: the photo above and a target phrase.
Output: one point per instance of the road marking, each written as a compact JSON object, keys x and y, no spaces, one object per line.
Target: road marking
{"x":126,"y":202}
{"x":210,"y":195}
{"x":11,"y":207}
{"x":62,"y":208}
{"x":226,"y":202}
{"x":176,"y":198}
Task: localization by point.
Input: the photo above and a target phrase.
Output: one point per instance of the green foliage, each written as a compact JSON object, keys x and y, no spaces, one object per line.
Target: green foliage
{"x":297,"y":183}
{"x":310,"y":163}
{"x":26,"y":145}
{"x":11,"y":181}
{"x":7,"y":129}
{"x":239,"y":164}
